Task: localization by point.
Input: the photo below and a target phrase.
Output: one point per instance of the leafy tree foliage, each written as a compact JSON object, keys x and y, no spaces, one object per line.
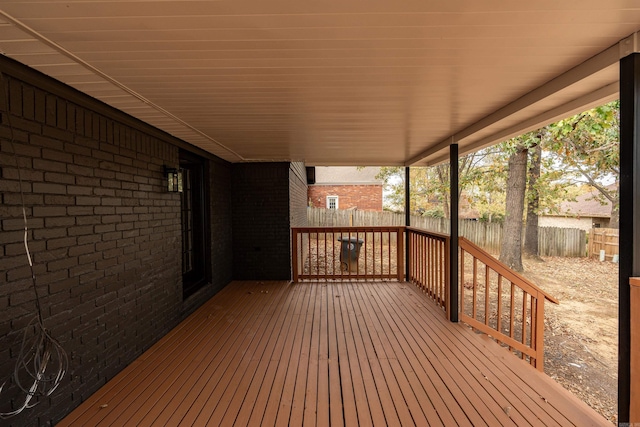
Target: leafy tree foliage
{"x":581,"y":149}
{"x":586,"y":147}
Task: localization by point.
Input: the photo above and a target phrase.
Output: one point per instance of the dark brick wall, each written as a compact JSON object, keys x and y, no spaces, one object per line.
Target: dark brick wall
{"x":221,"y":223}
{"x":104,"y":234}
{"x":261,"y":222}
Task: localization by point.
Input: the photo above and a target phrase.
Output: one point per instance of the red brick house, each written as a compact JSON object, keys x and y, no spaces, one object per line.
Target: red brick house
{"x":346,"y":188}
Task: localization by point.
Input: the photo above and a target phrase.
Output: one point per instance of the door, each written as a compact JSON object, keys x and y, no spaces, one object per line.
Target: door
{"x":195,"y":218}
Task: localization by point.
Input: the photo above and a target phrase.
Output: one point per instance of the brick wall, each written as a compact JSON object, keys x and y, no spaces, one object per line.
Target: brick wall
{"x":104,"y":234}
{"x":363,"y":197}
{"x":261,"y":221}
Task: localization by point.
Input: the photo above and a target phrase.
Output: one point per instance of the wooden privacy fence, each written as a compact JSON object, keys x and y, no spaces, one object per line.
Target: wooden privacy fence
{"x":603,"y":239}
{"x":565,"y":242}
{"x":502,"y":304}
{"x":553,"y":241}
{"x":346,"y":253}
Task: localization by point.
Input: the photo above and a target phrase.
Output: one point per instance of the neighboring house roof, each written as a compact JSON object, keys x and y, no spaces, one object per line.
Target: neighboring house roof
{"x":585,"y":205}
{"x":347,"y":175}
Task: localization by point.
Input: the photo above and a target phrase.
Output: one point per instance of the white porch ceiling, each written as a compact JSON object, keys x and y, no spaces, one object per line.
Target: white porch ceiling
{"x":335,"y":82}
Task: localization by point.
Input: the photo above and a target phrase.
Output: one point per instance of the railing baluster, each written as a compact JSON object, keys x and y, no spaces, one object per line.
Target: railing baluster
{"x":431,"y":269}
{"x":428,"y":250}
{"x":381,"y":255}
{"x":400,"y":254}
{"x":438,"y":269}
{"x":499,"y":321}
{"x":364,"y":249}
{"x":524,"y":320}
{"x":462,"y":287}
{"x":475,"y":286}
{"x":434,"y":268}
{"x":423,"y":266}
{"x":512,"y":314}
{"x":486,"y":294}
{"x":294,"y":252}
{"x":532,"y":329}
{"x":317,"y":253}
{"x":539,"y":342}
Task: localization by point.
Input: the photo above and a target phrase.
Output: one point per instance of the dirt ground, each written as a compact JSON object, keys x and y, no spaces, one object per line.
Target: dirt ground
{"x":581,"y":334}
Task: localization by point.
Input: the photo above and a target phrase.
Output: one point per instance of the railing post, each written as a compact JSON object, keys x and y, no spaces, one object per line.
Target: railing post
{"x":407,"y":216}
{"x":400,"y":253}
{"x":294,"y":254}
{"x":629,"y":245}
{"x":447,"y":269}
{"x":453,"y":246}
{"x":539,"y":332}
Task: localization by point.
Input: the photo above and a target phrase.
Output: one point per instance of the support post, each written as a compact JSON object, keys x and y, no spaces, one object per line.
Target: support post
{"x":407,"y":218}
{"x":453,"y":245}
{"x":629,"y":243}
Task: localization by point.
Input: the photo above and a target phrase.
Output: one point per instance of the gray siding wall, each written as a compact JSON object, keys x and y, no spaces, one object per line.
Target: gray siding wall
{"x":298,"y":194}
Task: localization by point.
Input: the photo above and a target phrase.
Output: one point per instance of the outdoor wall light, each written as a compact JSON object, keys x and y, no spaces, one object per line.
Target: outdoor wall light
{"x":174,"y":179}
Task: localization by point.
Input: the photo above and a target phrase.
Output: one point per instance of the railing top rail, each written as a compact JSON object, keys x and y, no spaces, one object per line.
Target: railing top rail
{"x":351,"y":228}
{"x":429,"y":233}
{"x":634,"y":281}
{"x":502,"y":269}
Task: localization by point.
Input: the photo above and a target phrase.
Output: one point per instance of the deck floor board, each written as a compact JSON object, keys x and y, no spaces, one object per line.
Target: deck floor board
{"x":328,"y":354}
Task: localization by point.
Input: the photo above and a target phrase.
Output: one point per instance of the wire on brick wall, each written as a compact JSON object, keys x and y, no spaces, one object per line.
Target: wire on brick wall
{"x":42,"y":362}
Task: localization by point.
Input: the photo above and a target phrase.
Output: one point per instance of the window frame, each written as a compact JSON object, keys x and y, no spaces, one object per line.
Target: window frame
{"x":333,"y":197}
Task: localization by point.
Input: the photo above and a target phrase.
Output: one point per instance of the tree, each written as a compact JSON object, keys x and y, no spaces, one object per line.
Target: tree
{"x":511,"y":248}
{"x":429,"y":185}
{"x":393,"y":178}
{"x":533,"y":202}
{"x":587,"y":147}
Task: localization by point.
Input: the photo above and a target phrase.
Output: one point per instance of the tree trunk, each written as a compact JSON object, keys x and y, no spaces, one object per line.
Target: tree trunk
{"x":511,"y":249}
{"x":533,"y":199}
{"x":615,"y":209}
{"x":615,"y":217}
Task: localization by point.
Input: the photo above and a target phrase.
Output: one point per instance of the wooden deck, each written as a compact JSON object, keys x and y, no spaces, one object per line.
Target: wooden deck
{"x":354,"y":354}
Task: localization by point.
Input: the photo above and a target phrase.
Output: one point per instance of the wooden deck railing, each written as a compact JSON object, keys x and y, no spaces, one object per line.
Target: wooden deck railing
{"x":502,"y":304}
{"x":494,"y":299}
{"x":429,"y":264}
{"x":330,"y":253}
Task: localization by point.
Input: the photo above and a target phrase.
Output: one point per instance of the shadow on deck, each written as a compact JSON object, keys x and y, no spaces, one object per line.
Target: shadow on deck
{"x":380,"y":353}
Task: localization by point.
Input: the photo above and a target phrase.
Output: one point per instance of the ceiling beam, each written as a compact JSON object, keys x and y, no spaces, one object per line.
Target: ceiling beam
{"x":591,"y":66}
{"x":593,"y":99}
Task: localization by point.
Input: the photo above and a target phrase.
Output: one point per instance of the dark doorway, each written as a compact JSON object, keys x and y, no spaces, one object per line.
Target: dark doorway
{"x":195,"y":230}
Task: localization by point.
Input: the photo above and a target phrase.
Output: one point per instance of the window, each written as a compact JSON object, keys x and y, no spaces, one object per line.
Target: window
{"x":195,"y":240}
{"x":332,"y":202}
